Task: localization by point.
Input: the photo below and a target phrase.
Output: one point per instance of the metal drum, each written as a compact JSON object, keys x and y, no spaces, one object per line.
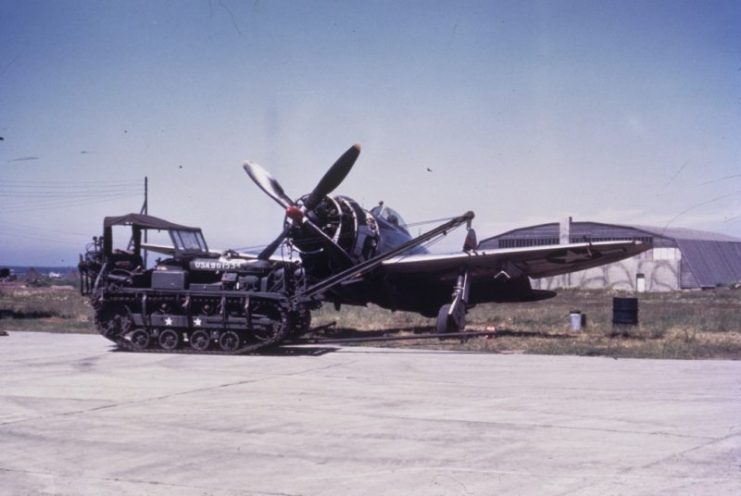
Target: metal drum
{"x":625,"y":311}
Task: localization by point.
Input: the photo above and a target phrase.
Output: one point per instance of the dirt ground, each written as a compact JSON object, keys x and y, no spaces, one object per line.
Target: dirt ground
{"x":696,"y":324}
{"x":689,"y":324}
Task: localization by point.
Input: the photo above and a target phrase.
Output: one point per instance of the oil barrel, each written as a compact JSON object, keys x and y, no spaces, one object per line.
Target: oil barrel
{"x":625,"y":311}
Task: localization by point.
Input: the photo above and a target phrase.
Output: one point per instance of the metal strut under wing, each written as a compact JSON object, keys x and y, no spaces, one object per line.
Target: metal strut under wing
{"x":374,"y":262}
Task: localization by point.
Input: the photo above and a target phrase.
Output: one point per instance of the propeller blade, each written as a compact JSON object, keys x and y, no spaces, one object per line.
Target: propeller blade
{"x":334,"y":176}
{"x":270,"y":249}
{"x":268,"y":184}
{"x":334,"y":250}
{"x":331,"y":179}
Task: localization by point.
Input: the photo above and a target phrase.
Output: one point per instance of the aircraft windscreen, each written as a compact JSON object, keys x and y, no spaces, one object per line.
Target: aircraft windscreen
{"x":389,"y":215}
{"x":188,"y":240}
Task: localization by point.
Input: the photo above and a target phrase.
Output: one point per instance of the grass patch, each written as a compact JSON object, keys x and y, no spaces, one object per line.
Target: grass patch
{"x":50,"y":309}
{"x":687,"y":325}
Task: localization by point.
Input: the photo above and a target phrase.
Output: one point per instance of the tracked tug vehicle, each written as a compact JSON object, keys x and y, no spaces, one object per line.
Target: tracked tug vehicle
{"x":203,"y":301}
{"x":194,"y":299}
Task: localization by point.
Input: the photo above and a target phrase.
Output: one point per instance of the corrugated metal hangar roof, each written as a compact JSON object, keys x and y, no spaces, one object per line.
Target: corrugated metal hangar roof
{"x":687,"y":234}
{"x":708,"y":259}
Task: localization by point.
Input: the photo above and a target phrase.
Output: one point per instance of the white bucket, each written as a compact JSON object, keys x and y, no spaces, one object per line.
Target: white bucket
{"x":575,"y":321}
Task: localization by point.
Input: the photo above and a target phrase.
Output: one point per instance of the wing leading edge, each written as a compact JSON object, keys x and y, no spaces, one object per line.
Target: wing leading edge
{"x":535,"y":261}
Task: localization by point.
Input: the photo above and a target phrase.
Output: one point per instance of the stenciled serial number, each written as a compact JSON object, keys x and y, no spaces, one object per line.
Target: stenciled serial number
{"x":216,"y":264}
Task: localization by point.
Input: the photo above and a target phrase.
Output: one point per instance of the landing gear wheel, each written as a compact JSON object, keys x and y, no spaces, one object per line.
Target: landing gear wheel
{"x":169,"y":339}
{"x":200,"y":340}
{"x":140,"y":339}
{"x":443,"y":325}
{"x":229,"y":341}
{"x":447,"y":323}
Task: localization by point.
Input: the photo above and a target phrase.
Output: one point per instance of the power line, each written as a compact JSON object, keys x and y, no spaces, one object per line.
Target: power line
{"x":65,"y":183}
{"x":29,"y":195}
{"x":73,"y":194}
{"x":29,"y":204}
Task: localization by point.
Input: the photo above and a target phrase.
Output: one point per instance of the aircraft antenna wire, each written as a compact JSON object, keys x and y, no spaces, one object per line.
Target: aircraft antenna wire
{"x":431,"y":221}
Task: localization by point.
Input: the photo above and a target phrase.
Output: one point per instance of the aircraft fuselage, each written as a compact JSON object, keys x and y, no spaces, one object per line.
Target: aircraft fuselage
{"x":364,"y":234}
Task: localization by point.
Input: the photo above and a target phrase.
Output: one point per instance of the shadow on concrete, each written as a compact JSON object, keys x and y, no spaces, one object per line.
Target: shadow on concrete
{"x":312,"y":344}
{"x":292,"y":350}
{"x":287,"y":350}
{"x":348,"y":333}
{"x":501,"y":333}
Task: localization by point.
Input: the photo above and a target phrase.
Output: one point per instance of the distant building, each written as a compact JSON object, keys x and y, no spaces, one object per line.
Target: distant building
{"x":680,"y":258}
{"x":32,"y":276}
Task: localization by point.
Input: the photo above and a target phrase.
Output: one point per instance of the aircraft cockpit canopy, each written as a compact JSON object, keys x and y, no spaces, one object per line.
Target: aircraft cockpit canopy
{"x":389,"y":215}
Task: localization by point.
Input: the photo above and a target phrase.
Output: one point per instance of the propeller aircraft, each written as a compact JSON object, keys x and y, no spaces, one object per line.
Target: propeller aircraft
{"x":355,"y":256}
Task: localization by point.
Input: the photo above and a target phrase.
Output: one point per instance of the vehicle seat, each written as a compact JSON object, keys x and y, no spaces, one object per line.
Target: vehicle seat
{"x":121,"y":259}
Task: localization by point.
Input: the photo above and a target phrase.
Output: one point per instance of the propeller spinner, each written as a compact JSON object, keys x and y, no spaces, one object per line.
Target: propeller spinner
{"x":297,"y":213}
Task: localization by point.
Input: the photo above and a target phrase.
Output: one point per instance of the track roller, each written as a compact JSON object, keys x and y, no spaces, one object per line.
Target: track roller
{"x":200,"y":340}
{"x":169,"y":339}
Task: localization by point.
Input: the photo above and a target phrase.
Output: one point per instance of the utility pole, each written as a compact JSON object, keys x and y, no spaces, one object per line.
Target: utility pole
{"x":145,"y":211}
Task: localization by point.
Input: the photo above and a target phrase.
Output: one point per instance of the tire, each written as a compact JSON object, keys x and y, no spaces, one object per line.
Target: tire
{"x":200,"y":340}
{"x":140,"y":339}
{"x":169,"y":339}
{"x":444,"y":321}
{"x":229,"y":341}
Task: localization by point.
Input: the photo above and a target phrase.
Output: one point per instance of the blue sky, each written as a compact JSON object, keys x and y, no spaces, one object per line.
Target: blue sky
{"x":526,"y":112}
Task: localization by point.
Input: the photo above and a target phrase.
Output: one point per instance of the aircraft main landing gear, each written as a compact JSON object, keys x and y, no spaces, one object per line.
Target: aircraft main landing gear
{"x":452,"y":316}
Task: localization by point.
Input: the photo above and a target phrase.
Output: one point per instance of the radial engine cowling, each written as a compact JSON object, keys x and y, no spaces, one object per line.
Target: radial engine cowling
{"x":343,"y":220}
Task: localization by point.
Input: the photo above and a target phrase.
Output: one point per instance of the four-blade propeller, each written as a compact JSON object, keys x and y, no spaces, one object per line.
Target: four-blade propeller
{"x":296,"y":212}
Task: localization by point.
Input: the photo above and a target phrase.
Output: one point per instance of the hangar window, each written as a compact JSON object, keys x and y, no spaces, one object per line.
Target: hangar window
{"x":666,"y":254}
{"x":595,"y":239}
{"x":523,"y":242}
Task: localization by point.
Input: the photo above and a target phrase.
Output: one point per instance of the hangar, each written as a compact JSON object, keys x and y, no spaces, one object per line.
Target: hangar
{"x":680,"y":259}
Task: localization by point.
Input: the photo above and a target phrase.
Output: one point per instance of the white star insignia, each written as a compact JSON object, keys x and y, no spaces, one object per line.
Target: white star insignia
{"x":197,"y":322}
{"x":168,"y":321}
{"x":569,"y":257}
{"x":572,"y":257}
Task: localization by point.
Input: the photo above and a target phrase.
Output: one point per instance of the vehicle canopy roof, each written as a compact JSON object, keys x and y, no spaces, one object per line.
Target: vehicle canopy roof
{"x":145,"y":222}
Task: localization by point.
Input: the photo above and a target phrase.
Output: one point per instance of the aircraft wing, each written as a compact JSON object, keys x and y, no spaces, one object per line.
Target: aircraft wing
{"x":170,"y":250}
{"x":165,"y":250}
{"x":532,"y":261}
